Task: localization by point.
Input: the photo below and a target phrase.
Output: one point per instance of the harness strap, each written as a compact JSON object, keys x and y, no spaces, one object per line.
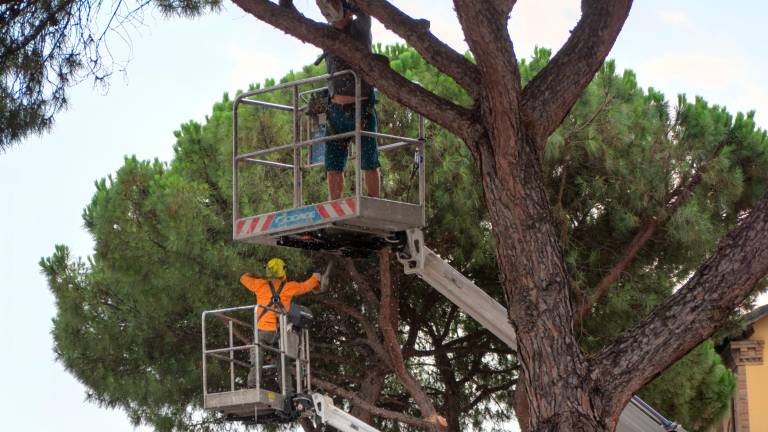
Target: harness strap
{"x":274,"y":301}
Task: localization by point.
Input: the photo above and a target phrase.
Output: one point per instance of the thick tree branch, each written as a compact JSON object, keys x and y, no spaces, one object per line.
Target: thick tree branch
{"x":488,"y":391}
{"x":690,"y":315}
{"x":504,"y":7}
{"x":363,"y":284}
{"x":372,"y":337}
{"x":452,"y":313}
{"x":370,"y":390}
{"x":388,"y":319}
{"x":417,"y":322}
{"x":647,"y":230}
{"x":456,"y":119}
{"x":488,"y":38}
{"x":676,"y":199}
{"x":548,"y":98}
{"x":363,"y":404}
{"x":345,"y":309}
{"x":416,"y":33}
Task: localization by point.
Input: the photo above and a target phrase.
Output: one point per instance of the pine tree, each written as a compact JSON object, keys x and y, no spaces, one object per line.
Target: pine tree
{"x":128,"y":318}
{"x":46,"y":46}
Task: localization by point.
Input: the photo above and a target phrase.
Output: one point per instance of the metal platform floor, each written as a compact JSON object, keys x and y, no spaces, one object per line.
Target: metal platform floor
{"x":348,"y":226}
{"x":242,"y":403}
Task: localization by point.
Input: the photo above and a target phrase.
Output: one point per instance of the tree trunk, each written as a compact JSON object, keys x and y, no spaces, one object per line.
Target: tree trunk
{"x":370,"y":390}
{"x":521,"y":405}
{"x":560,"y":393}
{"x":451,"y":403}
{"x":505,"y":130}
{"x":388,"y":322}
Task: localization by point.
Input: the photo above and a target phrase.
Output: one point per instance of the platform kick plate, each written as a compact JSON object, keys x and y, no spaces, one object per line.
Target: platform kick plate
{"x":295,"y":219}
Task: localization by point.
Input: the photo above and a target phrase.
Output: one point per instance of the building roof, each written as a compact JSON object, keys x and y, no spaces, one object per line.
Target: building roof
{"x":756,"y":315}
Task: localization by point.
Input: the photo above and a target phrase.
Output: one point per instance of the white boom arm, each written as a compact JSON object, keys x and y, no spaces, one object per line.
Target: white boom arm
{"x":337,"y":418}
{"x":420,"y":260}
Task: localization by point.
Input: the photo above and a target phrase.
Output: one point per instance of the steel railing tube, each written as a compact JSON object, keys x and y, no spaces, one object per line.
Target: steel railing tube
{"x":257,"y":352}
{"x":358,"y":147}
{"x":299,"y":141}
{"x":297,"y":175}
{"x":235,"y":181}
{"x":205,"y":363}
{"x":309,"y":365}
{"x":282,"y":354}
{"x":266,"y":105}
{"x":231,"y":358}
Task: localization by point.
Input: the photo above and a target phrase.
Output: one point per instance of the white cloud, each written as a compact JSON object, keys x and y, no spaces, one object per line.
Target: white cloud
{"x":542,"y":23}
{"x":676,"y":18}
{"x":755,"y":97}
{"x":701,"y":71}
{"x":254,"y":63}
{"x":251,"y":66}
{"x":382,"y":35}
{"x":545,"y":23}
{"x":725,"y":79}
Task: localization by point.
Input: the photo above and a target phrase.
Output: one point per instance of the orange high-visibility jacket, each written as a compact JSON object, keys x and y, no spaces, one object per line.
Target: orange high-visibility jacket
{"x":260,"y":287}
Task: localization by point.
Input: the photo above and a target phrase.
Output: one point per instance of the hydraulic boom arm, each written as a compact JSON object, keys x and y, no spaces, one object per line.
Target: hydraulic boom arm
{"x":338,"y":418}
{"x":420,"y":260}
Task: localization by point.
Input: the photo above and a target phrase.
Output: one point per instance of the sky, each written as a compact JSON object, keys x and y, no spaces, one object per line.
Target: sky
{"x":178,"y":68}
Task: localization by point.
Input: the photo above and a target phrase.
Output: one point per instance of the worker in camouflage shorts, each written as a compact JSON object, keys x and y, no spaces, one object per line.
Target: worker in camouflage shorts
{"x":345,"y":17}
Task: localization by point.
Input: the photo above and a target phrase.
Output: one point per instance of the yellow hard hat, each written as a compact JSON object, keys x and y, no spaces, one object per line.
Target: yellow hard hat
{"x":276,"y":268}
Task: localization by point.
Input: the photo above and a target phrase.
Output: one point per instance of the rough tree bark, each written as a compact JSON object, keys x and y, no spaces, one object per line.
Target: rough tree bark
{"x":506,"y":131}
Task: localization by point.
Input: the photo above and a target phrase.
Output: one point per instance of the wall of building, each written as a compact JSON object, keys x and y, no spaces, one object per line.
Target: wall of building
{"x":757,"y":382}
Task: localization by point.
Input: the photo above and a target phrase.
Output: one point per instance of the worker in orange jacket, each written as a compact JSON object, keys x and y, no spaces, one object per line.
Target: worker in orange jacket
{"x":274,"y":293}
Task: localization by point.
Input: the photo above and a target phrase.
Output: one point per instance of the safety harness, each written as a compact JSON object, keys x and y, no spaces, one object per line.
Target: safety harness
{"x":275,"y":300}
{"x":298,"y":316}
